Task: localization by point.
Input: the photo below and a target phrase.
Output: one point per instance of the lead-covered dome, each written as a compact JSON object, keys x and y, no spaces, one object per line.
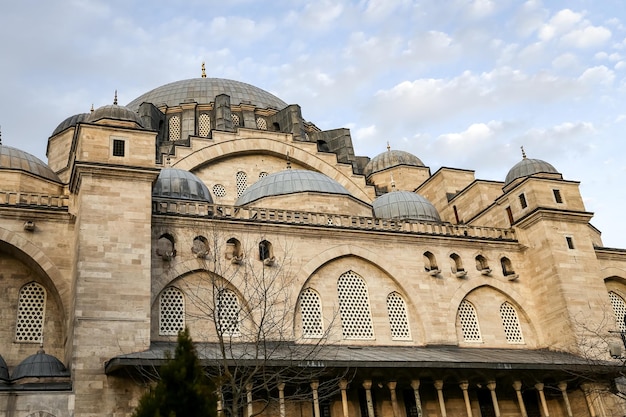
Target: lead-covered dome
{"x":15,"y":159}
{"x":405,"y":205}
{"x":290,"y":181}
{"x":69,"y":122}
{"x":527,"y":167}
{"x":4,"y":370}
{"x":114,"y":112}
{"x":389,"y":159}
{"x":204,"y":91}
{"x":40,"y":365}
{"x":180,"y":184}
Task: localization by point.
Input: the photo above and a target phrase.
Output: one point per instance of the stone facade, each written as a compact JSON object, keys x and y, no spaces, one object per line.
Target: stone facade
{"x":504,"y":307}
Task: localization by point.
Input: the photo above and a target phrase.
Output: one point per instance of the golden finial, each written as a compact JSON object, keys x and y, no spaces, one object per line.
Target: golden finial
{"x":91,"y":108}
{"x":523,"y":153}
{"x":203,"y":70}
{"x":388,"y":146}
{"x":393,"y":183}
{"x":115,"y":98}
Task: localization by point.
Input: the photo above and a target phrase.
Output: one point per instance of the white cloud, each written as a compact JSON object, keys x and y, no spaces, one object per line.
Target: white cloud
{"x":591,"y":36}
{"x":598,"y":75}
{"x":561,"y":22}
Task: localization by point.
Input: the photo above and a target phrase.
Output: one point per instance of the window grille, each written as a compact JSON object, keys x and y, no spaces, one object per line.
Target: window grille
{"x":219,"y":190}
{"x":619,"y":308}
{"x":174,"y":128}
{"x":235,"y":119}
{"x":311,"y":312}
{"x":171,"y":312}
{"x":354,"y":307}
{"x":262,"y":175}
{"x":204,"y":125}
{"x":511,"y":324}
{"x":469,"y":322}
{"x":398,"y":319}
{"x":227,"y":313}
{"x":30,"y":313}
{"x":261,"y":123}
{"x":118,"y":147}
{"x":241,"y":179}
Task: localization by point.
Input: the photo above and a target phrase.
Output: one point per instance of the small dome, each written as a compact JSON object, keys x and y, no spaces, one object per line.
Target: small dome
{"x":69,"y":122}
{"x":405,"y":205}
{"x":290,"y":181}
{"x":14,"y":159}
{"x":204,"y":91}
{"x":4,"y":370}
{"x":391,"y":158}
{"x":177,"y":183}
{"x":527,"y":167}
{"x":40,"y":365}
{"x":114,"y":112}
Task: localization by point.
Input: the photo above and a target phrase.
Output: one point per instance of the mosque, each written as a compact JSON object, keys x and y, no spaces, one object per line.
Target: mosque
{"x":341,"y":285}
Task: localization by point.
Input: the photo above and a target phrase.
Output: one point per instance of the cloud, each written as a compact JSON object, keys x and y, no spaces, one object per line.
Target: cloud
{"x":591,"y":36}
{"x":598,"y":75}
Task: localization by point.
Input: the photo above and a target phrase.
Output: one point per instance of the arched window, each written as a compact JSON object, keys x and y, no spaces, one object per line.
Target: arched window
{"x":354,"y":307}
{"x":241,"y":179}
{"x":311,"y":312}
{"x":455,"y":263}
{"x":204,"y":125}
{"x":227,"y":313}
{"x":468,"y":320}
{"x":200,"y":247}
{"x":619,"y":308}
{"x":430,"y":263}
{"x":398,"y":319}
{"x":233,"y":250}
{"x":174,"y":128}
{"x":31,"y":309}
{"x":507,"y":266}
{"x":482,"y":265}
{"x":511,"y":324}
{"x":165,"y":247}
{"x":266,"y":253}
{"x":171,"y":312}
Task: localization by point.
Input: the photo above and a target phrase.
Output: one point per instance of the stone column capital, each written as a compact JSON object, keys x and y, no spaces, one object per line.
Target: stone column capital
{"x":517,"y":385}
{"x":367,"y":384}
{"x":439,"y":384}
{"x":562,"y":386}
{"x":343,"y":384}
{"x":539,"y":386}
{"x":464,"y":385}
{"x":281,"y":386}
{"x":315,"y":384}
{"x":415,"y":384}
{"x":392,"y":385}
{"x":491,"y":385}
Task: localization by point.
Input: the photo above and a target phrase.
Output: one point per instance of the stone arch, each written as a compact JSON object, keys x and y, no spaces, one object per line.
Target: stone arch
{"x":277,"y":148}
{"x":40,"y":414}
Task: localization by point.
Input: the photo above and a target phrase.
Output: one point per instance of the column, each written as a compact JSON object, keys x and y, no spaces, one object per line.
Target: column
{"x":316,"y":401}
{"x":220,"y":409}
{"x":394,"y":399}
{"x":249,"y":399}
{"x":592,"y":410}
{"x":367,"y":384}
{"x":281,"y":398}
{"x":492,"y":387}
{"x":343,"y":386}
{"x":517,"y":386}
{"x":464,"y":385}
{"x":415,"y":384}
{"x":563,"y":387}
{"x":542,"y":397}
{"x":442,"y":404}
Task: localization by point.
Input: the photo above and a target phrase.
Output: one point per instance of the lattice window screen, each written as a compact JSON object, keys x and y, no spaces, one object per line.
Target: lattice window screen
{"x":171,"y":312}
{"x":174,"y":128}
{"x":204,"y":125}
{"x":619,"y":308}
{"x":311,"y":312}
{"x":31,"y":310}
{"x":510,"y":321}
{"x":219,"y":190}
{"x":261,"y":123}
{"x":469,"y":322}
{"x":242,"y":182}
{"x":227,"y":313}
{"x":354,"y":307}
{"x":398,"y":319}
{"x":262,"y":175}
{"x":235,"y":119}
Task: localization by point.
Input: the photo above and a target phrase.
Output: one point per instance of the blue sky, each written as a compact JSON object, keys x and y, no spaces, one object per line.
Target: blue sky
{"x":460,"y":83}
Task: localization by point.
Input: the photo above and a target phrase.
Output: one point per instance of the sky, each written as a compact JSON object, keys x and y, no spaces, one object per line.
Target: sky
{"x":458,"y":83}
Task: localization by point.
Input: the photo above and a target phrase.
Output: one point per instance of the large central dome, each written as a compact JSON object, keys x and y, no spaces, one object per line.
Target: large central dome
{"x":204,"y":91}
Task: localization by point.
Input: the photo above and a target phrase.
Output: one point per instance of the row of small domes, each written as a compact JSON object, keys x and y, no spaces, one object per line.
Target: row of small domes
{"x":39,"y":365}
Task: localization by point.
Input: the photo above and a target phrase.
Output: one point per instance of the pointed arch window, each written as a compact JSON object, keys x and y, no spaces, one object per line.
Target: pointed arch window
{"x":311,"y":312}
{"x":398,"y":318}
{"x":354,"y":307}
{"x":171,"y":312}
{"x":31,"y":311}
{"x":619,"y":308}
{"x":511,"y":323}
{"x":227,"y":313}
{"x":468,"y":319}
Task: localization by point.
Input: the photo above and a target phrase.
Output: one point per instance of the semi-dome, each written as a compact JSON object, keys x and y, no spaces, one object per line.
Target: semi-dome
{"x":389,"y":159}
{"x":40,"y":365}
{"x":527,"y":167}
{"x":405,"y":205}
{"x":204,"y":91}
{"x":290,"y":181}
{"x":69,"y":122}
{"x":114,"y":112}
{"x":4,"y":370}
{"x":180,"y":184}
{"x":15,"y":159}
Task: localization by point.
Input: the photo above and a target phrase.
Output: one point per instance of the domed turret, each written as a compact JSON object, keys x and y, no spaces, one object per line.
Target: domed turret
{"x":527,"y":167}
{"x":405,"y":205}
{"x":180,"y":184}
{"x":114,"y":112}
{"x":4,"y":371}
{"x":290,"y":181}
{"x":391,"y":158}
{"x":15,"y":159}
{"x":69,"y":122}
{"x":204,"y":91}
{"x":40,"y":365}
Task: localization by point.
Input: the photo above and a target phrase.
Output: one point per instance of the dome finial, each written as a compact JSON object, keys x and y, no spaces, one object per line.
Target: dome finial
{"x":288,"y":161}
{"x":203,"y":70}
{"x":523,"y":153}
{"x":388,"y":146}
{"x":115,"y":98}
{"x":91,"y":108}
{"x":0,"y":134}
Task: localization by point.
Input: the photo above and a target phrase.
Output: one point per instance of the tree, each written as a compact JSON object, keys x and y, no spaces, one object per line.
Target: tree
{"x":183,"y":389}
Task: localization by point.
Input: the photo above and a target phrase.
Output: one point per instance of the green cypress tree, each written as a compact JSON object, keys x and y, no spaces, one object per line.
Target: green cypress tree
{"x":183,"y":389}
